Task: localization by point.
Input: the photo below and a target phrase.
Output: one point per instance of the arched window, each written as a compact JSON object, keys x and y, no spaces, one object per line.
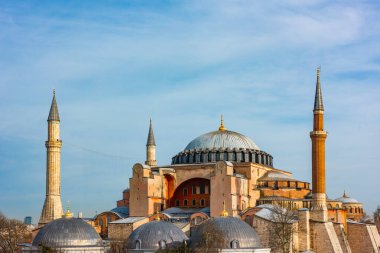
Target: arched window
{"x":225,"y":156}
{"x":194,"y":202}
{"x":234,"y":244}
{"x":329,"y":206}
{"x":101,"y":222}
{"x":184,"y":191}
{"x":162,"y":244}
{"x":185,"y":202}
{"x":217,"y":156}
{"x":177,"y":202}
{"x":337,"y":206}
{"x":138,"y":244}
{"x":202,"y":188}
{"x":194,"y":189}
{"x":202,"y":202}
{"x":234,"y":156}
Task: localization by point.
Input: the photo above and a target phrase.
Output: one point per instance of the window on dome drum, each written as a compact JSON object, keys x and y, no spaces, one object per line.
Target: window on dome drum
{"x":194,"y":202}
{"x":225,"y":156}
{"x":194,"y":189}
{"x":177,"y":202}
{"x":202,"y":202}
{"x":138,"y":244}
{"x":217,"y":156}
{"x":234,"y":156}
{"x":185,"y":192}
{"x":185,"y":202}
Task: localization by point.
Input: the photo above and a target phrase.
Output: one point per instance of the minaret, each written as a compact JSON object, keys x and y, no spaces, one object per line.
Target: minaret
{"x":318,"y":137}
{"x":53,"y":206}
{"x":151,"y":148}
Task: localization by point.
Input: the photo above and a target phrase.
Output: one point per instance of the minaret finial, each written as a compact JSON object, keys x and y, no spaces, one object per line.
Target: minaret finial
{"x":318,"y":102}
{"x":68,"y":213}
{"x":224,"y":213}
{"x":222,"y":128}
{"x":157,"y":214}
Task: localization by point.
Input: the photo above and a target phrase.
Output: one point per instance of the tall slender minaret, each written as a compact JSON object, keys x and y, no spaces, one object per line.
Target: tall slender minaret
{"x":318,"y":138}
{"x":53,"y":205}
{"x":151,"y":148}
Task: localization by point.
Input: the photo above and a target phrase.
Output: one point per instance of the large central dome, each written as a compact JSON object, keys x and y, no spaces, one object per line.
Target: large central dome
{"x":222,"y":139}
{"x":222,"y":145}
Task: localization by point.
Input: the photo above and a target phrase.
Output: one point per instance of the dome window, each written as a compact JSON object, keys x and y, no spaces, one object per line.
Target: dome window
{"x":138,"y":244}
{"x":234,"y":244}
{"x":162,"y":244}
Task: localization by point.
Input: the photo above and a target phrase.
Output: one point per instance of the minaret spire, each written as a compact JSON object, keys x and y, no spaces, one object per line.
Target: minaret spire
{"x":318,"y":101}
{"x":53,"y":114}
{"x":151,"y":147}
{"x":52,"y":208}
{"x":318,"y":137}
{"x":150,"y":140}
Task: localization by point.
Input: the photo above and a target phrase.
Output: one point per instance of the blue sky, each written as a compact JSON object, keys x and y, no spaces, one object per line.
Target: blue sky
{"x":115,"y":64}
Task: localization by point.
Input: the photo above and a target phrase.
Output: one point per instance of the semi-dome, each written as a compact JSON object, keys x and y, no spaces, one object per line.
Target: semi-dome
{"x":67,"y":232}
{"x":222,"y":140}
{"x":229,"y":233}
{"x":155,"y":235}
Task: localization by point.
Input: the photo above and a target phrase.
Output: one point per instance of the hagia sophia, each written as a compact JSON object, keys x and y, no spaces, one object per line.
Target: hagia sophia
{"x":221,"y":193}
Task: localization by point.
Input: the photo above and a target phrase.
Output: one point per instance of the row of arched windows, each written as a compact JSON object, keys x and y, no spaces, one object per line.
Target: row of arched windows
{"x":203,"y":157}
{"x":193,"y":202}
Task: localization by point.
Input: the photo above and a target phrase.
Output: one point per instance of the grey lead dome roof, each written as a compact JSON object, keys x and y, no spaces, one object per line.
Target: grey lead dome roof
{"x":222,"y":139}
{"x":149,"y":236}
{"x":346,"y":199}
{"x":67,"y":232}
{"x":226,"y":230}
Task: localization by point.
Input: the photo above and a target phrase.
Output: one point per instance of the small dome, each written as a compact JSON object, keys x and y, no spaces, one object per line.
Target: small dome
{"x":222,"y":140}
{"x":229,"y":232}
{"x":346,"y":199}
{"x":67,"y":232}
{"x":156,"y":235}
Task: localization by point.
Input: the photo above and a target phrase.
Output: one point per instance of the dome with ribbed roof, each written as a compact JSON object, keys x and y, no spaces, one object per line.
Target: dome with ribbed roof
{"x":222,"y":145}
{"x":155,"y":235}
{"x":222,"y":140}
{"x":67,"y":232}
{"x":346,"y":199}
{"x":229,"y":233}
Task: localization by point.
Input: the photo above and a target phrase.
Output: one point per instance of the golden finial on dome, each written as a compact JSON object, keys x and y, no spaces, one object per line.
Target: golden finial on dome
{"x":68,"y":214}
{"x":222,"y":128}
{"x":157,"y":215}
{"x":224,"y":213}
